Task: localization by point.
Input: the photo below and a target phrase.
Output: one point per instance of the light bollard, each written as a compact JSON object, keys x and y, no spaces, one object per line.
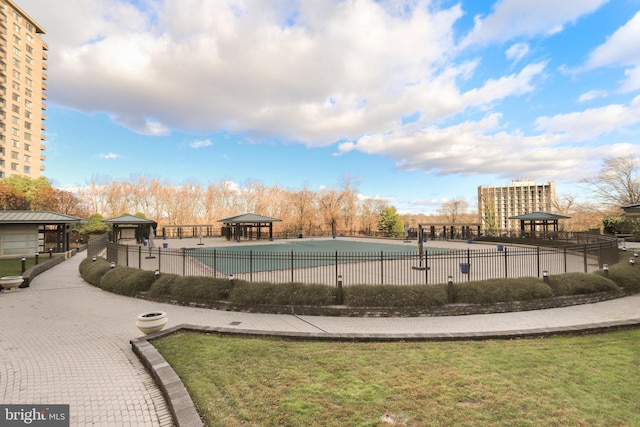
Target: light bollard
{"x":605,"y":267}
{"x":339,"y":296}
{"x":545,"y":276}
{"x":450,"y":289}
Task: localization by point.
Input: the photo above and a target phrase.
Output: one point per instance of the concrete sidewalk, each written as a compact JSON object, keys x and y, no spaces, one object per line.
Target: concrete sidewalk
{"x":66,"y":342}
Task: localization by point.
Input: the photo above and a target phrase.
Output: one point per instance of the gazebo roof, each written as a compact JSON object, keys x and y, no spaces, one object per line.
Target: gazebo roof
{"x":539,"y":216}
{"x":36,"y":217}
{"x":249,"y":218}
{"x":128,"y":219}
{"x":632,"y":210}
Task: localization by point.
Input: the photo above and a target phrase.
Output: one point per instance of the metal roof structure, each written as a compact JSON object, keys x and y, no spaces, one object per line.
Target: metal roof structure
{"x":632,"y":210}
{"x":539,"y":224}
{"x":539,"y":216}
{"x":128,"y":219}
{"x":249,"y":218}
{"x":240,"y":226}
{"x":36,"y":217}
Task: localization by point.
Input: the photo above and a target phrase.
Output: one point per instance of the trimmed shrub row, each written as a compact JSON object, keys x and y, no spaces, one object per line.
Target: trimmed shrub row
{"x":206,"y":290}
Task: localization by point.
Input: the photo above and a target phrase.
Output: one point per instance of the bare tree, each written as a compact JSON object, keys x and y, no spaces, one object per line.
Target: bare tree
{"x":304,"y":209}
{"x":618,"y":182}
{"x":454,"y":209}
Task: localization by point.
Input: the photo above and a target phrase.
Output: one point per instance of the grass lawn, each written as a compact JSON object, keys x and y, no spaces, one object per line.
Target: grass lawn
{"x":589,"y":380}
{"x":13,"y":266}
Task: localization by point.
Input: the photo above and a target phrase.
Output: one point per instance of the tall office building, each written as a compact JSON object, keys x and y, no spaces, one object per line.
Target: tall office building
{"x":23,"y":55}
{"x":497,"y":204}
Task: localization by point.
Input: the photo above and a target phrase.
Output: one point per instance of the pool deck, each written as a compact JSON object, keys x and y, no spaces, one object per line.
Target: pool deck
{"x":66,"y":342}
{"x":219,"y":242}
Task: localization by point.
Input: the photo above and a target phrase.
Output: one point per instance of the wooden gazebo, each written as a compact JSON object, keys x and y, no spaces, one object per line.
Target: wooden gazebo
{"x":247,"y":226}
{"x":127,"y":227}
{"x":539,"y":224}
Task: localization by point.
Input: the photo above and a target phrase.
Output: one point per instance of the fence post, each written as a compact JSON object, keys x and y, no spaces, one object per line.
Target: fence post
{"x":292,"y":264}
{"x":159,"y":252}
{"x":215,"y":263}
{"x":506,"y":263}
{"x":381,"y":267}
{"x":538,"y":259}
{"x":584,"y":255}
{"x":426,"y":268}
{"x":251,"y":266}
{"x":336,"y":264}
{"x":565,"y":259}
{"x":139,"y":256}
{"x":184,"y":261}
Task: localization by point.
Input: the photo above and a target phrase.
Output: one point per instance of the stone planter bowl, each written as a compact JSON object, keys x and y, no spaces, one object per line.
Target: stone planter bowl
{"x":11,"y":282}
{"x":152,"y":321}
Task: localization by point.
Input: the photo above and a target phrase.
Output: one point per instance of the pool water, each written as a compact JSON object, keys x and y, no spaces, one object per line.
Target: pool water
{"x":303,"y":254}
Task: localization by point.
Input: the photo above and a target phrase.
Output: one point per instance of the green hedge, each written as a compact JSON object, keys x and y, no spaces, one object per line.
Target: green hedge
{"x":580,"y":284}
{"x":624,"y":276}
{"x":245,"y":293}
{"x":501,"y":290}
{"x":395,"y":295}
{"x":191,"y":288}
{"x":132,"y":281}
{"x":92,"y":271}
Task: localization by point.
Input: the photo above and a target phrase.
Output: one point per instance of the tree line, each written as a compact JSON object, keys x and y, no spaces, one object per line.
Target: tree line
{"x":328,"y":211}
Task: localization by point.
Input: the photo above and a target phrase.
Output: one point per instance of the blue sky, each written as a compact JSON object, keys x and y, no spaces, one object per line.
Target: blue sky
{"x":419,"y":101}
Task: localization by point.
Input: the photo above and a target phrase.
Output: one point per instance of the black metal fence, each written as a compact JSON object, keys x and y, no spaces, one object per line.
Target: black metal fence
{"x":400,"y":268}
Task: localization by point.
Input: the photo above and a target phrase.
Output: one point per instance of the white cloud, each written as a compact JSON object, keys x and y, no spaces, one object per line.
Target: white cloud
{"x":201,"y":143}
{"x":109,"y":156}
{"x":632,"y":81}
{"x":513,"y":18}
{"x":264,"y":70}
{"x":517,"y":51}
{"x":621,"y":49}
{"x":481,"y":147}
{"x":593,"y":122}
{"x":515,"y":84}
{"x":591,"y":95}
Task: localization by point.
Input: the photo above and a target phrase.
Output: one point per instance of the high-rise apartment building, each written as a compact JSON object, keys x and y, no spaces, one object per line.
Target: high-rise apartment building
{"x":23,"y":55}
{"x":497,"y":204}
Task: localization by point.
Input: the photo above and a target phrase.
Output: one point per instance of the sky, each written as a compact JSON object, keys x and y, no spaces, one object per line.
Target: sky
{"x":418,"y":101}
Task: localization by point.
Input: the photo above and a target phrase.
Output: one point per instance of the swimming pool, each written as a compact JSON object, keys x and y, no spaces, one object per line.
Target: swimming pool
{"x":299,"y":254}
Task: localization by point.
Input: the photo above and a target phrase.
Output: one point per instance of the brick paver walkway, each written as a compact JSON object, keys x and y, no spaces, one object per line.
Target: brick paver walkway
{"x":63,"y":341}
